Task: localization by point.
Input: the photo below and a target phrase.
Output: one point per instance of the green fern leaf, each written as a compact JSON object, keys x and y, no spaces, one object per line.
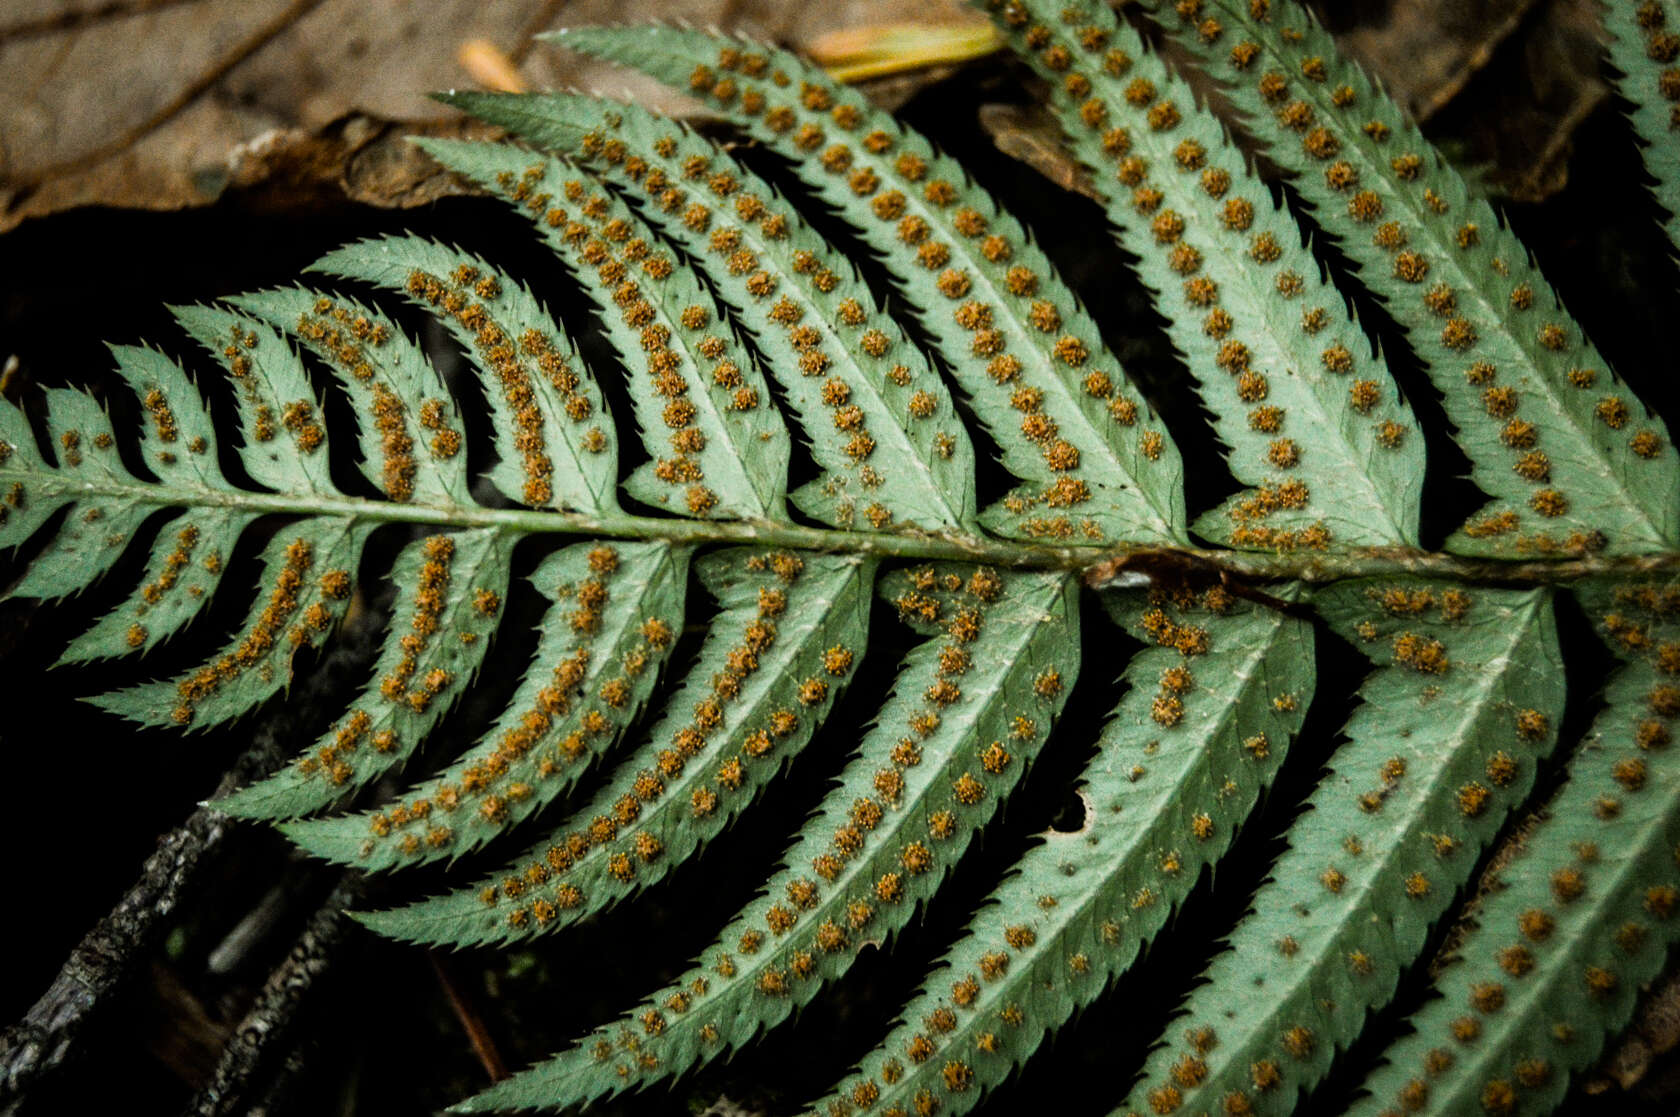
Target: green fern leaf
{"x":34,"y":488}
{"x":440,"y":629}
{"x":740,"y":467}
{"x":285,"y":442}
{"x":1463,"y":704}
{"x":1311,"y":417}
{"x":177,"y":440}
{"x":178,"y":444}
{"x":409,"y":458}
{"x":969,"y":708}
{"x":554,"y":440}
{"x":1206,"y":721}
{"x":308,"y":572}
{"x":1644,"y":49}
{"x":1581,"y":917}
{"x":608,"y":632}
{"x":1569,"y":462}
{"x":732,"y":318}
{"x":776,"y":657}
{"x":857,"y":383}
{"x":183,"y":570}
{"x":93,"y":538}
{"x":1020,"y":345}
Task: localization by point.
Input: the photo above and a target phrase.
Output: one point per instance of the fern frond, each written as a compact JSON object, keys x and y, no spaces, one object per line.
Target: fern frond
{"x":183,"y":571}
{"x":1571,"y":462}
{"x":733,"y":320}
{"x":410,"y":458}
{"x":1207,"y":720}
{"x":554,"y":438}
{"x":284,"y":440}
{"x":857,"y":383}
{"x":1464,"y":703}
{"x":1581,"y":917}
{"x":1017,"y":340}
{"x":1645,"y":49}
{"x":177,"y":444}
{"x":448,"y":589}
{"x":98,"y":531}
{"x":1311,"y":415}
{"x":780,"y":651}
{"x":718,"y":444}
{"x":308,"y":570}
{"x":970,"y":707}
{"x":615,"y":609}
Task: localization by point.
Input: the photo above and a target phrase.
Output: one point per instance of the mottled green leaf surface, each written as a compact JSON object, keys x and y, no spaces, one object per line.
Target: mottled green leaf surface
{"x":778,"y":653}
{"x":554,"y":440}
{"x":448,"y":587}
{"x":1308,"y":410}
{"x":883,"y":840}
{"x":719,"y":447}
{"x":1463,"y":704}
{"x":609,"y":628}
{"x":1020,"y":345}
{"x":98,"y":530}
{"x":1570,"y":461}
{"x":1581,"y":917}
{"x":307,"y":573}
{"x":857,"y":382}
{"x":416,"y":457}
{"x":1643,"y":50}
{"x":1208,"y":716}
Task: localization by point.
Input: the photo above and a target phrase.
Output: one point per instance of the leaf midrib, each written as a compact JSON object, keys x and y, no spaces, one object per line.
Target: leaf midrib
{"x":1099,"y":564}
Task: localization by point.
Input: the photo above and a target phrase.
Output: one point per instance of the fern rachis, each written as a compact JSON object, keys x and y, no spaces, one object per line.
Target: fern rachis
{"x":755,"y":351}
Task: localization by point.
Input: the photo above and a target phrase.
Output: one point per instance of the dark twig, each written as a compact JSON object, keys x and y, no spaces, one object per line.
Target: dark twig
{"x":278,"y":1091}
{"x":261,"y":1040}
{"x":49,"y":1033}
{"x":102,"y":964}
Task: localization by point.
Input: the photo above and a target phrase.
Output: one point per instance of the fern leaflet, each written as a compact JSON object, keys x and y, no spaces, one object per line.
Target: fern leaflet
{"x":1580,"y":917}
{"x":1571,"y":465}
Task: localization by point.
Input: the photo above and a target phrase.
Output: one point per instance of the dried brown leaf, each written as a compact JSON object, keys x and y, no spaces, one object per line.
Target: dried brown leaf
{"x":163,"y":104}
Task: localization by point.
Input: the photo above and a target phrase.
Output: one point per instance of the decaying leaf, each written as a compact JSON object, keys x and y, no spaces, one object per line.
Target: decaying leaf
{"x":285,"y":97}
